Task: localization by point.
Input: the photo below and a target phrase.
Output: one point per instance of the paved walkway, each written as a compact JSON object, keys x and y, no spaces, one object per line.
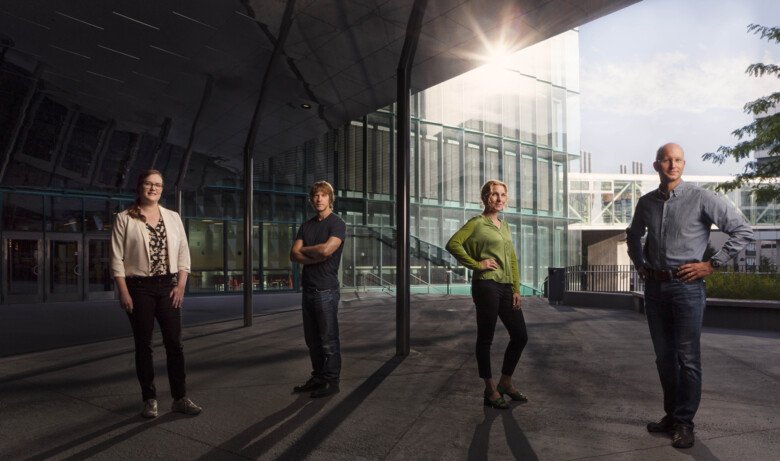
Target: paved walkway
{"x":589,"y":374}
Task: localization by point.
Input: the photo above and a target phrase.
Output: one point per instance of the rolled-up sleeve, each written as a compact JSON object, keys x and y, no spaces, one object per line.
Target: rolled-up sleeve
{"x":455,"y":246}
{"x":184,"y":262}
{"x":730,"y":222}
{"x":634,"y":234}
{"x":118,"y":246}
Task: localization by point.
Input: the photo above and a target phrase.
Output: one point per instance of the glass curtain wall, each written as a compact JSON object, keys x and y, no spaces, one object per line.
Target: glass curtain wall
{"x":517,"y":122}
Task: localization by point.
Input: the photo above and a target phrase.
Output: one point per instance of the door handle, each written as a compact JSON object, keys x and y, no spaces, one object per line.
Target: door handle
{"x":77,"y":269}
{"x":35,"y":270}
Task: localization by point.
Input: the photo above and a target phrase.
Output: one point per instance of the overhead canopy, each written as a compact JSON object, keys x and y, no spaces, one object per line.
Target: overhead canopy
{"x":137,"y":63}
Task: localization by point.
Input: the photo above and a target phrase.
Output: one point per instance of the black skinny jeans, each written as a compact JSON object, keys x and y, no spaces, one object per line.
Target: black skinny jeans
{"x":493,"y":300}
{"x":151,"y":299}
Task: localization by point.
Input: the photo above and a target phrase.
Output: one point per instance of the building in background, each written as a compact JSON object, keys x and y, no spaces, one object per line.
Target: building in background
{"x":603,"y":205}
{"x":517,"y":121}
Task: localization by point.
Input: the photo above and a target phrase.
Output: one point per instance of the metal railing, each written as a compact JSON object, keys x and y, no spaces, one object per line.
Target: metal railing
{"x":615,"y":278}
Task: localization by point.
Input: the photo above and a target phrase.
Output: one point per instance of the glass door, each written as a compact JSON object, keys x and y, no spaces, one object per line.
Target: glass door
{"x":98,"y":281}
{"x":22,"y":268}
{"x":63,"y":267}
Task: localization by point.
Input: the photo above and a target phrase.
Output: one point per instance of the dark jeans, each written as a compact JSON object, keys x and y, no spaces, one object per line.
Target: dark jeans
{"x":674,"y":314}
{"x":321,"y":329}
{"x":495,"y":300}
{"x":151,"y":299}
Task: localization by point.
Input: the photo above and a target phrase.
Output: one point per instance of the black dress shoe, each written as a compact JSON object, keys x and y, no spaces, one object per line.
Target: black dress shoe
{"x":311,"y":385}
{"x":666,"y":424}
{"x":682,"y":436}
{"x":328,"y":388}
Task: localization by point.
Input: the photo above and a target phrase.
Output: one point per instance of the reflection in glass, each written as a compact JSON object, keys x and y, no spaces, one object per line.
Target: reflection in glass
{"x":22,"y":271}
{"x":23,"y":212}
{"x":99,"y":276}
{"x":63,"y":214}
{"x":63,"y":266}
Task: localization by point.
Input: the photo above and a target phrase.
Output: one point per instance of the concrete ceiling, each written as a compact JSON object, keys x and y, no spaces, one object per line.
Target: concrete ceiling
{"x":140,"y":62}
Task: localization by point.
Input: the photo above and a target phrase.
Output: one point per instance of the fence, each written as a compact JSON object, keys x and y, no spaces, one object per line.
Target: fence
{"x":614,"y":278}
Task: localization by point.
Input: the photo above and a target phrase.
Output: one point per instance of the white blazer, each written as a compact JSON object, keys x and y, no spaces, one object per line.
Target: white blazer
{"x":130,"y":251}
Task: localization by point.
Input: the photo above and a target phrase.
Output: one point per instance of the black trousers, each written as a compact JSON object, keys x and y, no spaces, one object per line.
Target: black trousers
{"x":494,"y":300}
{"x":151,"y":300}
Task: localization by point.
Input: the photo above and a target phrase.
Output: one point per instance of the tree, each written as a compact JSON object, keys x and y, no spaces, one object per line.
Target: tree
{"x":761,"y":135}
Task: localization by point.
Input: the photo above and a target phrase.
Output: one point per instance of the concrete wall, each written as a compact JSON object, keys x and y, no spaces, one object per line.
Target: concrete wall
{"x":610,"y":251}
{"x":719,"y":313}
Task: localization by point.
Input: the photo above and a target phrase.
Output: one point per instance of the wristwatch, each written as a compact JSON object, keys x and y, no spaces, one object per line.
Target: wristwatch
{"x":715,"y":263}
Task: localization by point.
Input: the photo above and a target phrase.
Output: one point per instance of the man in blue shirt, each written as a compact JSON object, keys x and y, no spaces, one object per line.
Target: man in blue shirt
{"x":677,"y":218}
{"x":318,"y":246}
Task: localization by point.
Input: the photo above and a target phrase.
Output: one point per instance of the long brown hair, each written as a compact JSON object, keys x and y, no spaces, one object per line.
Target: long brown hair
{"x":135,"y":209}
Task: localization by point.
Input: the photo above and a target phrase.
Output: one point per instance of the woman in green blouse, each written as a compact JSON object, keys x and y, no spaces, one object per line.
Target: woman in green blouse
{"x":484,"y":245}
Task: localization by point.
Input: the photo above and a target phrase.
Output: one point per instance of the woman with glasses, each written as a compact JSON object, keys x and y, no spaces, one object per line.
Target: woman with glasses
{"x":484,"y":245}
{"x":150,"y":261}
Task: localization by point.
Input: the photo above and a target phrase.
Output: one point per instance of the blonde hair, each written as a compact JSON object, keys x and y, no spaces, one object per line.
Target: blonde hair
{"x":322,"y":186}
{"x":485,"y":194}
{"x":135,"y":209}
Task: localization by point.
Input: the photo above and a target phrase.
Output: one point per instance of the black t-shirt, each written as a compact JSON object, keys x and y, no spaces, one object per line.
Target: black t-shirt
{"x":324,"y":275}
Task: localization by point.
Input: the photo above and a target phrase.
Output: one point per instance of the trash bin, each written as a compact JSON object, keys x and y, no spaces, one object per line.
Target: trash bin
{"x":556,"y":283}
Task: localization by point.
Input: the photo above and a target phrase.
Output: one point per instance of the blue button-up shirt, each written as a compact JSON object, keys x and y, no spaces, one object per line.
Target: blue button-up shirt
{"x":678,"y":229}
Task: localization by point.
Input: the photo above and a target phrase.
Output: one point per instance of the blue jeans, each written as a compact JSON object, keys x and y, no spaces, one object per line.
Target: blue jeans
{"x":321,"y":330}
{"x":674,"y":314}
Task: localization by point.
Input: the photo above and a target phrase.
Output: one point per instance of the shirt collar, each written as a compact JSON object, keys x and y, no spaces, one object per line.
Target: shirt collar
{"x":676,"y":191}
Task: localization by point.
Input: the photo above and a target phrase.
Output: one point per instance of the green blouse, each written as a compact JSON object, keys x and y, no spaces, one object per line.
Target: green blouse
{"x":480,"y":239}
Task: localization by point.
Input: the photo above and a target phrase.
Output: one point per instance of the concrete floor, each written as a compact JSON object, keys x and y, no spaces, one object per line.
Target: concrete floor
{"x":589,"y":375}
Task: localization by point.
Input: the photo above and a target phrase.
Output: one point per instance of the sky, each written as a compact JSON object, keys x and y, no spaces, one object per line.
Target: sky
{"x":672,"y":71}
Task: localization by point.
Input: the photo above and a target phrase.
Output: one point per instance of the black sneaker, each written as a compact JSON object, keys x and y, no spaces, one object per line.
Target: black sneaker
{"x":311,"y":385}
{"x":326,"y":389}
{"x":666,"y":424}
{"x":682,"y":436}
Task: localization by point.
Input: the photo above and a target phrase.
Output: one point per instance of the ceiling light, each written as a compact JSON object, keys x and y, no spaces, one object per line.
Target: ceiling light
{"x":25,"y":20}
{"x":135,"y":20}
{"x":119,"y":52}
{"x":105,"y":76}
{"x":71,"y":52}
{"x":168,"y":52}
{"x":78,"y":20}
{"x":246,"y":16}
{"x":194,"y":20}
{"x":150,"y":77}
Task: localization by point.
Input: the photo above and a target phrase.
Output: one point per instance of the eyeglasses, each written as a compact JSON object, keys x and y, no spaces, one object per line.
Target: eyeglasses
{"x":149,"y":185}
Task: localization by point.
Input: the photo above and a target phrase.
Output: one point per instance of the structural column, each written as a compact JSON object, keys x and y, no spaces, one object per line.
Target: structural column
{"x":403,"y":133}
{"x":249,"y":146}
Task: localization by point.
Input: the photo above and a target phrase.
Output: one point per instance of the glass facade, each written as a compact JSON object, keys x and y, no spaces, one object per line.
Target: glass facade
{"x":518,"y":122}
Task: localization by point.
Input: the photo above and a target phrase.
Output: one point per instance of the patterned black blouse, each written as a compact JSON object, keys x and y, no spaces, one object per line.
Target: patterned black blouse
{"x":159,"y":246}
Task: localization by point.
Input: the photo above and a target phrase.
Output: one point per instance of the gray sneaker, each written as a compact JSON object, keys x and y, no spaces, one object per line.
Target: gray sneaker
{"x":186,"y":406}
{"x":150,"y":408}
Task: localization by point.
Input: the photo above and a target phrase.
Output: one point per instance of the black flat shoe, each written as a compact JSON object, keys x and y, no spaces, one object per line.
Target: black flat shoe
{"x":666,"y":424}
{"x":498,"y":404}
{"x":311,"y":385}
{"x":514,"y":394}
{"x":328,"y":388}
{"x":682,"y":436}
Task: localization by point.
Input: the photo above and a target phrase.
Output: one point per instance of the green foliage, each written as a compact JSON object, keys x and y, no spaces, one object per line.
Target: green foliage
{"x":732,"y":285}
{"x":761,"y":135}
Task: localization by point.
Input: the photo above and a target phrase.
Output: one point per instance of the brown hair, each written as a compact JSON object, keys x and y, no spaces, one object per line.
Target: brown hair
{"x":322,"y":186}
{"x":135,"y":209}
{"x":485,"y":194}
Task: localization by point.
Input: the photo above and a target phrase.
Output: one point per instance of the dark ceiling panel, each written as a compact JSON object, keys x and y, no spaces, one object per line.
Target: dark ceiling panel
{"x":140,"y":62}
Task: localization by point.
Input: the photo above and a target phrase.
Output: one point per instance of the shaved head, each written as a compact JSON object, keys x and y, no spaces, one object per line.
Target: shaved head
{"x":668,"y":147}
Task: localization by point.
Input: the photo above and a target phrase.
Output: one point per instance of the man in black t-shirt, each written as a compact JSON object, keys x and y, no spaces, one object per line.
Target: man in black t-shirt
{"x":318,"y":246}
